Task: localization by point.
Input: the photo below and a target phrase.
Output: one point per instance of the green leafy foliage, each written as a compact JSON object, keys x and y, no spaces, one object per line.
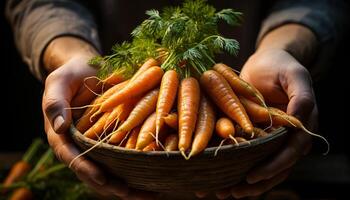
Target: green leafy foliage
{"x":187,"y":33}
{"x":49,"y":179}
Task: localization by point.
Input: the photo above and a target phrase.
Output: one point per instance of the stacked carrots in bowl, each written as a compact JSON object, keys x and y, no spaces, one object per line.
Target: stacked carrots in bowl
{"x":165,"y":87}
{"x":164,"y":92}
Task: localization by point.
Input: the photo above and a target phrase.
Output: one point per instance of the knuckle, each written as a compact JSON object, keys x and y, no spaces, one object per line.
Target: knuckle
{"x":50,"y":105}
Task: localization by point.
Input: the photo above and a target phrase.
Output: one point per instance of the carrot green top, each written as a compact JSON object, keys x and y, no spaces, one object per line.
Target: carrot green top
{"x":181,"y":37}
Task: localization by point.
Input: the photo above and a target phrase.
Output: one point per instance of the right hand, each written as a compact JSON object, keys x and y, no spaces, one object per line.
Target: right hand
{"x":65,"y":88}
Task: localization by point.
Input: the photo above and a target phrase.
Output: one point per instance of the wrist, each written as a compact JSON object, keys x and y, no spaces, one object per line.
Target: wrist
{"x":62,"y":49}
{"x":298,"y":40}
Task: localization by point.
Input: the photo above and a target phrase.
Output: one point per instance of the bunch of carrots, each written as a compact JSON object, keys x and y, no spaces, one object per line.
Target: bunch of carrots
{"x":164,"y":90}
{"x":39,"y":175}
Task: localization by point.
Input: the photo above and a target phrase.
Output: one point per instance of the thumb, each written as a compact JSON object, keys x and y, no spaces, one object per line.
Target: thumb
{"x":56,"y":104}
{"x":301,"y":95}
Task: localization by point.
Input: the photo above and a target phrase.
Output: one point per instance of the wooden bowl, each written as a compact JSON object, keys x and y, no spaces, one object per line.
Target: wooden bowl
{"x":169,"y":171}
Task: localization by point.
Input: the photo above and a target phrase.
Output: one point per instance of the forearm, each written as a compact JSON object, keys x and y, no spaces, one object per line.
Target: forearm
{"x":61,"y":49}
{"x":296,"y":39}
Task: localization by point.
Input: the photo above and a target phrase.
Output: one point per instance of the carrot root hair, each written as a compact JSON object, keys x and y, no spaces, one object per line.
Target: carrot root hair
{"x":234,"y":139}
{"x":184,"y":155}
{"x":318,"y":136}
{"x":219,"y":147}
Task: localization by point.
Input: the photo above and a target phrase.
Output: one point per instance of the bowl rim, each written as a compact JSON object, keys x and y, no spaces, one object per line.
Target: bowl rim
{"x":208,"y":151}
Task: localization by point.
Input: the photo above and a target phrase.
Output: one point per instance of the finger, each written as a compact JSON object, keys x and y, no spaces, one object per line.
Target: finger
{"x":66,"y":151}
{"x":141,"y":195}
{"x":300,"y":93}
{"x":223,"y":194}
{"x":201,"y":194}
{"x":245,"y":190}
{"x":285,"y":159}
{"x":115,"y":188}
{"x":55,"y":104}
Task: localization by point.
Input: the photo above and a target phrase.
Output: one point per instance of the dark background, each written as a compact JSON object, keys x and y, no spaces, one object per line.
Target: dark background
{"x":22,"y":118}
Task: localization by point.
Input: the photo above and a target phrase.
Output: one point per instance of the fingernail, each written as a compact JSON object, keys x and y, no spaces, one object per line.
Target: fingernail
{"x":58,"y":123}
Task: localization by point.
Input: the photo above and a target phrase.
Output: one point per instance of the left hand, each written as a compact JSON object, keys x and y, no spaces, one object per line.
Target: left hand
{"x":285,"y":84}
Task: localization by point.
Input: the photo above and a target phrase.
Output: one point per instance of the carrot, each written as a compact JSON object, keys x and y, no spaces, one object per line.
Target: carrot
{"x":23,"y":166}
{"x":86,"y":121}
{"x":147,"y":132}
{"x":225,"y":128}
{"x":256,"y":112}
{"x":172,"y":120}
{"x":153,"y":146}
{"x":148,"y":64}
{"x":204,"y":127}
{"x":113,"y":79}
{"x":143,"y":108}
{"x":141,"y":111}
{"x":117,"y":136}
{"x":145,"y":81}
{"x":224,"y":97}
{"x":166,"y":98}
{"x":188,"y":104}
{"x":18,"y":170}
{"x":131,"y":143}
{"x":171,"y":142}
{"x":22,"y":193}
{"x":261,"y":114}
{"x":98,"y":128}
{"x":258,"y":132}
{"x":240,"y":86}
{"x":121,"y":112}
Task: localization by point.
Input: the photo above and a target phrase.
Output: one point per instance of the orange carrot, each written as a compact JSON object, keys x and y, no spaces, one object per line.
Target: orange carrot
{"x":224,"y":97}
{"x":117,"y":136}
{"x":166,"y":98}
{"x":188,"y":104}
{"x":172,"y":120}
{"x":121,"y":112}
{"x":143,"y":108}
{"x":22,"y":193}
{"x":144,"y":82}
{"x":256,"y":112}
{"x":131,"y":143}
{"x":98,"y":128}
{"x":171,"y":142}
{"x":225,"y":128}
{"x":279,"y":118}
{"x":258,"y":132}
{"x":147,"y":132}
{"x":153,"y":146}
{"x":141,"y":111}
{"x":239,"y":86}
{"x":86,"y":121}
{"x":148,"y":64}
{"x":113,"y":79}
{"x":18,"y":170}
{"x":22,"y":167}
{"x":204,"y":128}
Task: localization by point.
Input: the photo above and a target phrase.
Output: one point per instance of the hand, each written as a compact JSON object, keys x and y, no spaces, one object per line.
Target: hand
{"x":66,"y":87}
{"x":285,"y":84}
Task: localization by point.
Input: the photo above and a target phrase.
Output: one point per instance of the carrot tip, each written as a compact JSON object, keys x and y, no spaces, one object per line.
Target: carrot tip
{"x":184,"y":155}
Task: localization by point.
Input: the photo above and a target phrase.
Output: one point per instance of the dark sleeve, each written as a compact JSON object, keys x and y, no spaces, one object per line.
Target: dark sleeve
{"x":326,"y":18}
{"x":37,"y":22}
